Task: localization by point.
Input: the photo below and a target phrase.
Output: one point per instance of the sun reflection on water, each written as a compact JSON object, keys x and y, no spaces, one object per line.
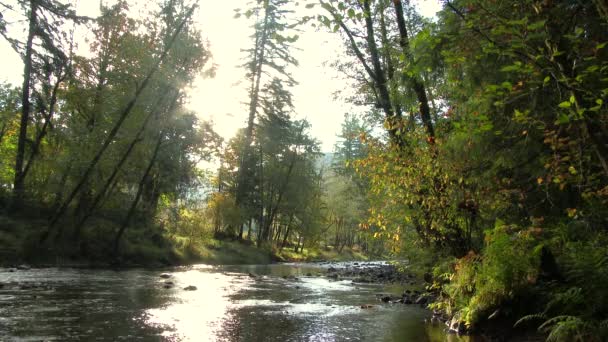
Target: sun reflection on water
{"x":196,"y":315}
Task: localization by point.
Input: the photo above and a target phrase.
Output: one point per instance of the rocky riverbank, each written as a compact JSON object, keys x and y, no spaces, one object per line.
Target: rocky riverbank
{"x":415,"y":290}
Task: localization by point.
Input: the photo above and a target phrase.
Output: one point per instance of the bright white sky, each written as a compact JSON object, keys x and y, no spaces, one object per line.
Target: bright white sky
{"x":222,"y":99}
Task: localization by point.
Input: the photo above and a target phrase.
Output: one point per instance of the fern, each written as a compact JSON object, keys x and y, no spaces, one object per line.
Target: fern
{"x":529,"y":318}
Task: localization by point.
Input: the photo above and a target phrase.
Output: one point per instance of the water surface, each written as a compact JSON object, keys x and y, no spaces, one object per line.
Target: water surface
{"x":229,"y":305}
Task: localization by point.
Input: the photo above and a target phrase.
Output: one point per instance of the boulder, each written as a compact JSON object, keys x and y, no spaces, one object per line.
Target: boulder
{"x":251,"y":275}
{"x":190,"y":288}
{"x":366,"y":306}
{"x":455,"y":326}
{"x":385,"y":299}
{"x":165,"y":276}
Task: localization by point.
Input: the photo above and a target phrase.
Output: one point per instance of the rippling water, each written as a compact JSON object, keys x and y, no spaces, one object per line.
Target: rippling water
{"x":228,"y":305}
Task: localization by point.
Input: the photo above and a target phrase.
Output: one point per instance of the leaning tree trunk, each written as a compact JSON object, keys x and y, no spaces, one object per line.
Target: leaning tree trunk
{"x":123,"y":115}
{"x":140,"y":188}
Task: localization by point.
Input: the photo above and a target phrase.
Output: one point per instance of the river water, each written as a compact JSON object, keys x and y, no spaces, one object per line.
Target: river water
{"x":229,"y":305}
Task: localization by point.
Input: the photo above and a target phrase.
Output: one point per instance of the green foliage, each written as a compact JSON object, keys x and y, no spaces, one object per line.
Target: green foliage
{"x":481,"y":284}
{"x":518,"y":91}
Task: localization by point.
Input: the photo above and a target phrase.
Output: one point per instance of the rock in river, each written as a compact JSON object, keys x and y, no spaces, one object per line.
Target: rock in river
{"x":190,"y":288}
{"x":165,"y":276}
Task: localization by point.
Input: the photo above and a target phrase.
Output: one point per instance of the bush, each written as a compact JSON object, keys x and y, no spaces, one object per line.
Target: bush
{"x":480,"y":284}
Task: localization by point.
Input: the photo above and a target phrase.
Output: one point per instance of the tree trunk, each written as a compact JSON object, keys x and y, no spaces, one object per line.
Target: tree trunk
{"x":104,"y":190}
{"x":114,"y":130}
{"x":416,"y":83}
{"x":390,"y":67}
{"x":140,"y":187}
{"x":241,"y":229}
{"x":249,"y":229}
{"x":274,"y":209}
{"x":287,"y":232}
{"x":44,"y":129}
{"x":18,"y":188}
{"x":253,"y":105}
{"x":380,"y":78}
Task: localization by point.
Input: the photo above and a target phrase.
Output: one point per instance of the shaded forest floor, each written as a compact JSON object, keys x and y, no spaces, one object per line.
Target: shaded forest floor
{"x":141,"y":246}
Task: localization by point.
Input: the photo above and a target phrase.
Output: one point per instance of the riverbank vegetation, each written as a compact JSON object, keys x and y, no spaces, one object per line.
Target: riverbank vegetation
{"x":493,"y":170}
{"x":481,"y":155}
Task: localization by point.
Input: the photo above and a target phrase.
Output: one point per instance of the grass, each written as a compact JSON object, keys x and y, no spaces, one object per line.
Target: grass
{"x":141,"y":246}
{"x":321,"y":254}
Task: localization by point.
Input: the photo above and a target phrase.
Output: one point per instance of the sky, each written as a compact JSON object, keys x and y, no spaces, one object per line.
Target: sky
{"x":222,"y":98}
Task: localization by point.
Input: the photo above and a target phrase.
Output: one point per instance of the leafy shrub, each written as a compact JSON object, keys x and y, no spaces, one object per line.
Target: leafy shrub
{"x":479,"y":284}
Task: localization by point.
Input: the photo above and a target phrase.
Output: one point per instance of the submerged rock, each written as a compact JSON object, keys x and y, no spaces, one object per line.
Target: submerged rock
{"x":24,"y":267}
{"x":190,"y":288}
{"x":165,"y":276}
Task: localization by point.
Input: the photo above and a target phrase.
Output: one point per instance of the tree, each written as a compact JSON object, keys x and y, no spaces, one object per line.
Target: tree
{"x":44,"y":21}
{"x":272,"y":43}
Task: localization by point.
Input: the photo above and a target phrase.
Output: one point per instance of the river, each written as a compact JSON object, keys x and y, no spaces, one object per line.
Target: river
{"x":231,"y":303}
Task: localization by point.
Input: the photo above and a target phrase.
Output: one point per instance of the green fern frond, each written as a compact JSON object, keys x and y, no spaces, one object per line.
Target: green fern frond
{"x":548,"y":324}
{"x":528,"y":318}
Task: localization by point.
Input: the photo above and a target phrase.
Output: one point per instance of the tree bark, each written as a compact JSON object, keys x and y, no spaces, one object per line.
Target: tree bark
{"x":415,"y":82}
{"x":380,"y":80}
{"x":18,"y":187}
